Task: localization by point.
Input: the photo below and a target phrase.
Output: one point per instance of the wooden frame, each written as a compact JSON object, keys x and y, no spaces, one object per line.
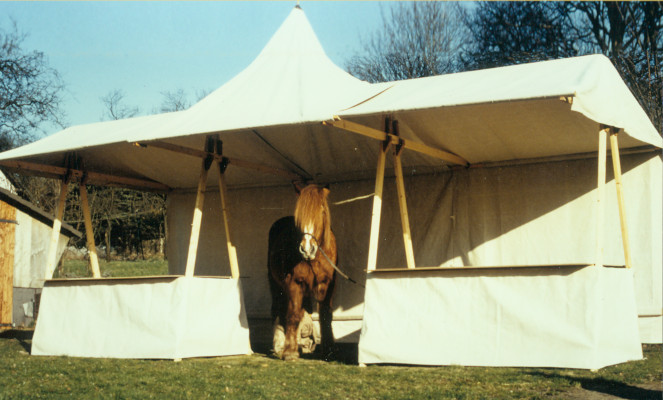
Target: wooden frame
{"x":377,"y":208}
{"x":55,"y":233}
{"x":197,"y":220}
{"x":604,"y":131}
{"x":213,"y":152}
{"x":89,"y":232}
{"x":94,"y":178}
{"x":396,"y":140}
{"x":600,"y":201}
{"x":402,"y":204}
{"x":220,"y":158}
{"x":232,"y":250}
{"x":617,"y":168}
{"x":7,"y":247}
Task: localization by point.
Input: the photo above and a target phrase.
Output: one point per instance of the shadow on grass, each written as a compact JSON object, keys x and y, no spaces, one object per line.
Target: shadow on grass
{"x":346,"y":353}
{"x":24,"y":337}
{"x":608,"y":387}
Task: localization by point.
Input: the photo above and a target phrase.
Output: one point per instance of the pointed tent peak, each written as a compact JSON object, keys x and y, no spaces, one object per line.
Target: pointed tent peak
{"x":291,"y":81}
{"x":295,"y":29}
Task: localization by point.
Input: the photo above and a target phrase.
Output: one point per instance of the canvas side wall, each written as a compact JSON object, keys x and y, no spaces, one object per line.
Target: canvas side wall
{"x":519,"y":215}
{"x":32,"y":243}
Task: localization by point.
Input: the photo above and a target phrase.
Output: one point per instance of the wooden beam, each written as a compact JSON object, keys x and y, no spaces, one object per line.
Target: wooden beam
{"x":93,"y":178}
{"x":219,"y":158}
{"x":232,"y":250}
{"x":51,"y":260}
{"x":377,"y":208}
{"x":402,"y":203}
{"x":617,"y":168}
{"x":197,"y":220}
{"x":600,"y":202}
{"x":7,"y":248}
{"x":395,"y":140}
{"x":89,"y":232}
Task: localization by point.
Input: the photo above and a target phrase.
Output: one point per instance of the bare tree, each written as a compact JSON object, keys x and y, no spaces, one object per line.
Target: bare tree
{"x":631,"y":35}
{"x":174,"y":101}
{"x":116,"y":107}
{"x":30,"y":91}
{"x":178,"y":100}
{"x":504,"y":33}
{"x":416,"y":39}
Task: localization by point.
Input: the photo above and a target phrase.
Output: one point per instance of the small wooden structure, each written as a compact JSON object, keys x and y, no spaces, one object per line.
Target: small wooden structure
{"x":23,"y":244}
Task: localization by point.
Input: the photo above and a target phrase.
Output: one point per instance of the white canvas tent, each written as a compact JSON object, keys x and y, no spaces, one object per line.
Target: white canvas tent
{"x":498,"y":168}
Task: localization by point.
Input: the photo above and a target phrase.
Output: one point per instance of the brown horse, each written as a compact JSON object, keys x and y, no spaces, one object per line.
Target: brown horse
{"x":298,"y":270}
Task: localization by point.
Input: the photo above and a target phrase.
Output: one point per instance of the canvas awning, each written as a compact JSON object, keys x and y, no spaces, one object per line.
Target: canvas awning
{"x":270,"y":119}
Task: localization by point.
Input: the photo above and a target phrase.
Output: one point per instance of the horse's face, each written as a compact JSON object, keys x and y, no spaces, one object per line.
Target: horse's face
{"x":311,"y":216}
{"x":308,"y":247}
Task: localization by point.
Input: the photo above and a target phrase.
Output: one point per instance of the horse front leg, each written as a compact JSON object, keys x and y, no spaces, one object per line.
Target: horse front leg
{"x":326,"y":333}
{"x":294,"y":315}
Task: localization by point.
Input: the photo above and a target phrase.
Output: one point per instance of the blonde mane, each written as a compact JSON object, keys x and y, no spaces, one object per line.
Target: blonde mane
{"x":312,"y":209}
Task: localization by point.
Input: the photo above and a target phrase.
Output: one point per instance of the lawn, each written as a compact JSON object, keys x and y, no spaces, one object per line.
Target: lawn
{"x":80,"y":269}
{"x":262,"y":377}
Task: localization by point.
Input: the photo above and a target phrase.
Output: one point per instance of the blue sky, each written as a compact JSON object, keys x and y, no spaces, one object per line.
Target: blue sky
{"x":146,"y":48}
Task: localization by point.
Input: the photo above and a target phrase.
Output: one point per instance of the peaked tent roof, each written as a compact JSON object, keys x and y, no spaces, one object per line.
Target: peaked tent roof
{"x":271,"y":114}
{"x":291,"y":81}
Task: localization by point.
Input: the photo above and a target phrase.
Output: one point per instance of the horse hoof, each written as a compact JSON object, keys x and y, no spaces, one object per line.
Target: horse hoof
{"x":291,"y":356}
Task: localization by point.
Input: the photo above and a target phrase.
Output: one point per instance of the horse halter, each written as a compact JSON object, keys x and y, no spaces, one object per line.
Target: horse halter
{"x":314,"y":243}
{"x":317,"y":247}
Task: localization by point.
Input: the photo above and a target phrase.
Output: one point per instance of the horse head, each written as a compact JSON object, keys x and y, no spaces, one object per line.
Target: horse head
{"x":313,"y":220}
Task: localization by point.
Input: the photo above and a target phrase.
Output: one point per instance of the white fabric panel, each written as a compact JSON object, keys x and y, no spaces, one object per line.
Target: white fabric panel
{"x":651,"y":329}
{"x":142,"y":318}
{"x":542,"y":317}
{"x":33,"y":240}
{"x":601,"y":95}
{"x":537,"y":214}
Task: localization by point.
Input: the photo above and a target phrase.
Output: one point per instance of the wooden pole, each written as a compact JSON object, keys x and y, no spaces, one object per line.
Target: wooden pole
{"x":7,"y":248}
{"x":402,"y":203}
{"x":617,"y":168}
{"x":89,"y":232}
{"x":51,"y":260}
{"x":197,"y":219}
{"x":232,"y":251}
{"x":377,"y":208}
{"x":92,"y":178}
{"x":600,"y":204}
{"x":396,"y":140}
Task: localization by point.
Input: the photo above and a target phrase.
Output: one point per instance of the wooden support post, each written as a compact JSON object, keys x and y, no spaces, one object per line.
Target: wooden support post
{"x":197,"y":219}
{"x":51,"y":260}
{"x":617,"y":168}
{"x":600,"y":205}
{"x":232,"y":250}
{"x":89,"y":232}
{"x":402,"y":203}
{"x":377,"y":208}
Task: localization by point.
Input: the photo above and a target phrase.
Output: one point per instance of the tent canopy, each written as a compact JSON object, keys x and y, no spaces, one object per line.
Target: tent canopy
{"x":270,"y":116}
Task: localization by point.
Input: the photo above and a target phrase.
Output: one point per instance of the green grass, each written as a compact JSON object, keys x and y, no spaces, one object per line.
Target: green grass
{"x":80,"y":268}
{"x":262,"y":377}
